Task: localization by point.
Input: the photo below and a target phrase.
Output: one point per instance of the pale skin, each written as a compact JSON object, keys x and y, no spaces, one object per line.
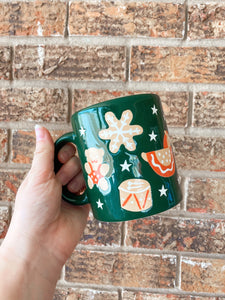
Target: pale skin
{"x":44,"y":229}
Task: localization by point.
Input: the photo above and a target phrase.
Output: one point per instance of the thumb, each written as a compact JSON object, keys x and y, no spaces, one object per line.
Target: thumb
{"x":43,"y":161}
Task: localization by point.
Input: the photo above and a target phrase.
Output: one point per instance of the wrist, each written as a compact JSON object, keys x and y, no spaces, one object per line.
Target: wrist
{"x":27,"y":267}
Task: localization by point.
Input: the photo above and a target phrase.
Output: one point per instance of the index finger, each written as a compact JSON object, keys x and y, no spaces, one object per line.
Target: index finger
{"x":66,"y":153}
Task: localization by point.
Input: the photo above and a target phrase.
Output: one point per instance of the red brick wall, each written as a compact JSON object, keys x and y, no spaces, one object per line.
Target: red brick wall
{"x":59,"y":56}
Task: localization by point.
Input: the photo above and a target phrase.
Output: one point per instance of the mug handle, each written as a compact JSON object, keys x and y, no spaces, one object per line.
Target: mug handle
{"x":66,"y":194}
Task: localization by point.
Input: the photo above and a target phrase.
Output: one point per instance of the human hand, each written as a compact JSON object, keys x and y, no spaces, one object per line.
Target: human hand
{"x":44,"y":229}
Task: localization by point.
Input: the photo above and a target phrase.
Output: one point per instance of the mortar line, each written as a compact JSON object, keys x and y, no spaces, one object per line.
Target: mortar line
{"x":66,"y":29}
{"x":178,"y":273}
{"x":70,"y":103}
{"x":115,"y":85}
{"x":186,"y":20}
{"x":128,"y":61}
{"x":190,"y":115}
{"x":148,"y":251}
{"x":112,"y":288}
{"x":95,"y":41}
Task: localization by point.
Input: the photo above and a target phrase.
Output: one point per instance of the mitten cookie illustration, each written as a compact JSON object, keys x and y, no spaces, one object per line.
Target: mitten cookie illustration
{"x":135,"y":195}
{"x":161,"y":161}
{"x":96,"y":169}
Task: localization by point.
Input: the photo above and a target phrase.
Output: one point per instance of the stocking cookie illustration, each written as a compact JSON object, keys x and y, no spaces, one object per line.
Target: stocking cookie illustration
{"x":161,"y":161}
{"x":96,"y":169}
{"x":135,"y":195}
{"x":120,"y":132}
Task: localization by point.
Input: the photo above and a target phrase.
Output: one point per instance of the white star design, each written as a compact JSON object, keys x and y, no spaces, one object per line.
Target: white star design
{"x":153,"y":136}
{"x":82,"y":131}
{"x":154,"y":110}
{"x":125,"y":166}
{"x":163,"y":191}
{"x":100,"y":204}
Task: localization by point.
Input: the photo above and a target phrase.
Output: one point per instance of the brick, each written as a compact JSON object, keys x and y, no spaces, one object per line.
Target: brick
{"x":83,"y":294}
{"x":206,"y":195}
{"x":5,"y":63}
{"x":150,"y":296}
{"x":147,"y":19}
{"x":192,"y":235}
{"x":10,"y":181}
{"x":206,"y":21}
{"x":121,"y":269}
{"x":70,"y":63}
{"x":4,"y":221}
{"x":101,"y":233}
{"x":33,"y":104}
{"x":176,"y":64}
{"x":203,"y":275}
{"x":3,"y":145}
{"x":38,"y":18}
{"x":199,"y":153}
{"x":209,"y":109}
{"x":175,"y":104}
{"x":23,"y":144}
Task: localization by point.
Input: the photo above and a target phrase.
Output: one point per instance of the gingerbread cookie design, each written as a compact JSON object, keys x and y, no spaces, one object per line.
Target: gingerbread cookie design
{"x":161,"y":161}
{"x":135,"y":195}
{"x":96,"y":169}
{"x":120,"y":132}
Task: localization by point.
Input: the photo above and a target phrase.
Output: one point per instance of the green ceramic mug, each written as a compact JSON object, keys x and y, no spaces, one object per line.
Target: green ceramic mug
{"x":126,"y":158}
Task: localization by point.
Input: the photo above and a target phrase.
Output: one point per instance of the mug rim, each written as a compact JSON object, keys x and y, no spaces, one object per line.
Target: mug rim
{"x":110,"y":101}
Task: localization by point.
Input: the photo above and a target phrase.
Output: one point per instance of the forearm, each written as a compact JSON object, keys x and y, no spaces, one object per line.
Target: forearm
{"x":19,"y":282}
{"x":26,"y":272}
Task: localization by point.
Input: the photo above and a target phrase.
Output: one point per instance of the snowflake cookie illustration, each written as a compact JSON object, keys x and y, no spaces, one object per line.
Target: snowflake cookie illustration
{"x":120,"y":132}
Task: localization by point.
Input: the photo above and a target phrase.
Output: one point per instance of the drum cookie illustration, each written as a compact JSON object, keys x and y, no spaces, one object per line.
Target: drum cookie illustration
{"x":135,"y":195}
{"x":161,"y":161}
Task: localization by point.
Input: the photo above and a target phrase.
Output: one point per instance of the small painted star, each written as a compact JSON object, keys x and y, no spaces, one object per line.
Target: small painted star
{"x":125,"y":166}
{"x":154,"y":110}
{"x":82,"y":131}
{"x":163,"y":191}
{"x":153,"y":136}
{"x":100,"y":204}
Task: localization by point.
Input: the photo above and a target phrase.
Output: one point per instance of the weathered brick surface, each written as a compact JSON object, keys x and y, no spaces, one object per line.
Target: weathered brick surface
{"x":121,"y":269}
{"x":176,"y":64}
{"x":23,"y":144}
{"x":127,"y":19}
{"x":59,"y":56}
{"x":203,"y":275}
{"x":38,"y":18}
{"x":206,"y":195}
{"x":4,"y":221}
{"x":5,"y":63}
{"x":177,"y":234}
{"x":175,"y":104}
{"x":30,"y":104}
{"x":206,"y":21}
{"x":9,"y":183}
{"x":209,"y":110}
{"x":70,"y":63}
{"x":151,"y":296}
{"x":82,"y":294}
{"x":3,"y":145}
{"x":199,"y":153}
{"x":101,"y":233}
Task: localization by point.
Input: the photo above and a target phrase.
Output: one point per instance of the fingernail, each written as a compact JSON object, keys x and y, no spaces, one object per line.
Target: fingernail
{"x":39,"y":132}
